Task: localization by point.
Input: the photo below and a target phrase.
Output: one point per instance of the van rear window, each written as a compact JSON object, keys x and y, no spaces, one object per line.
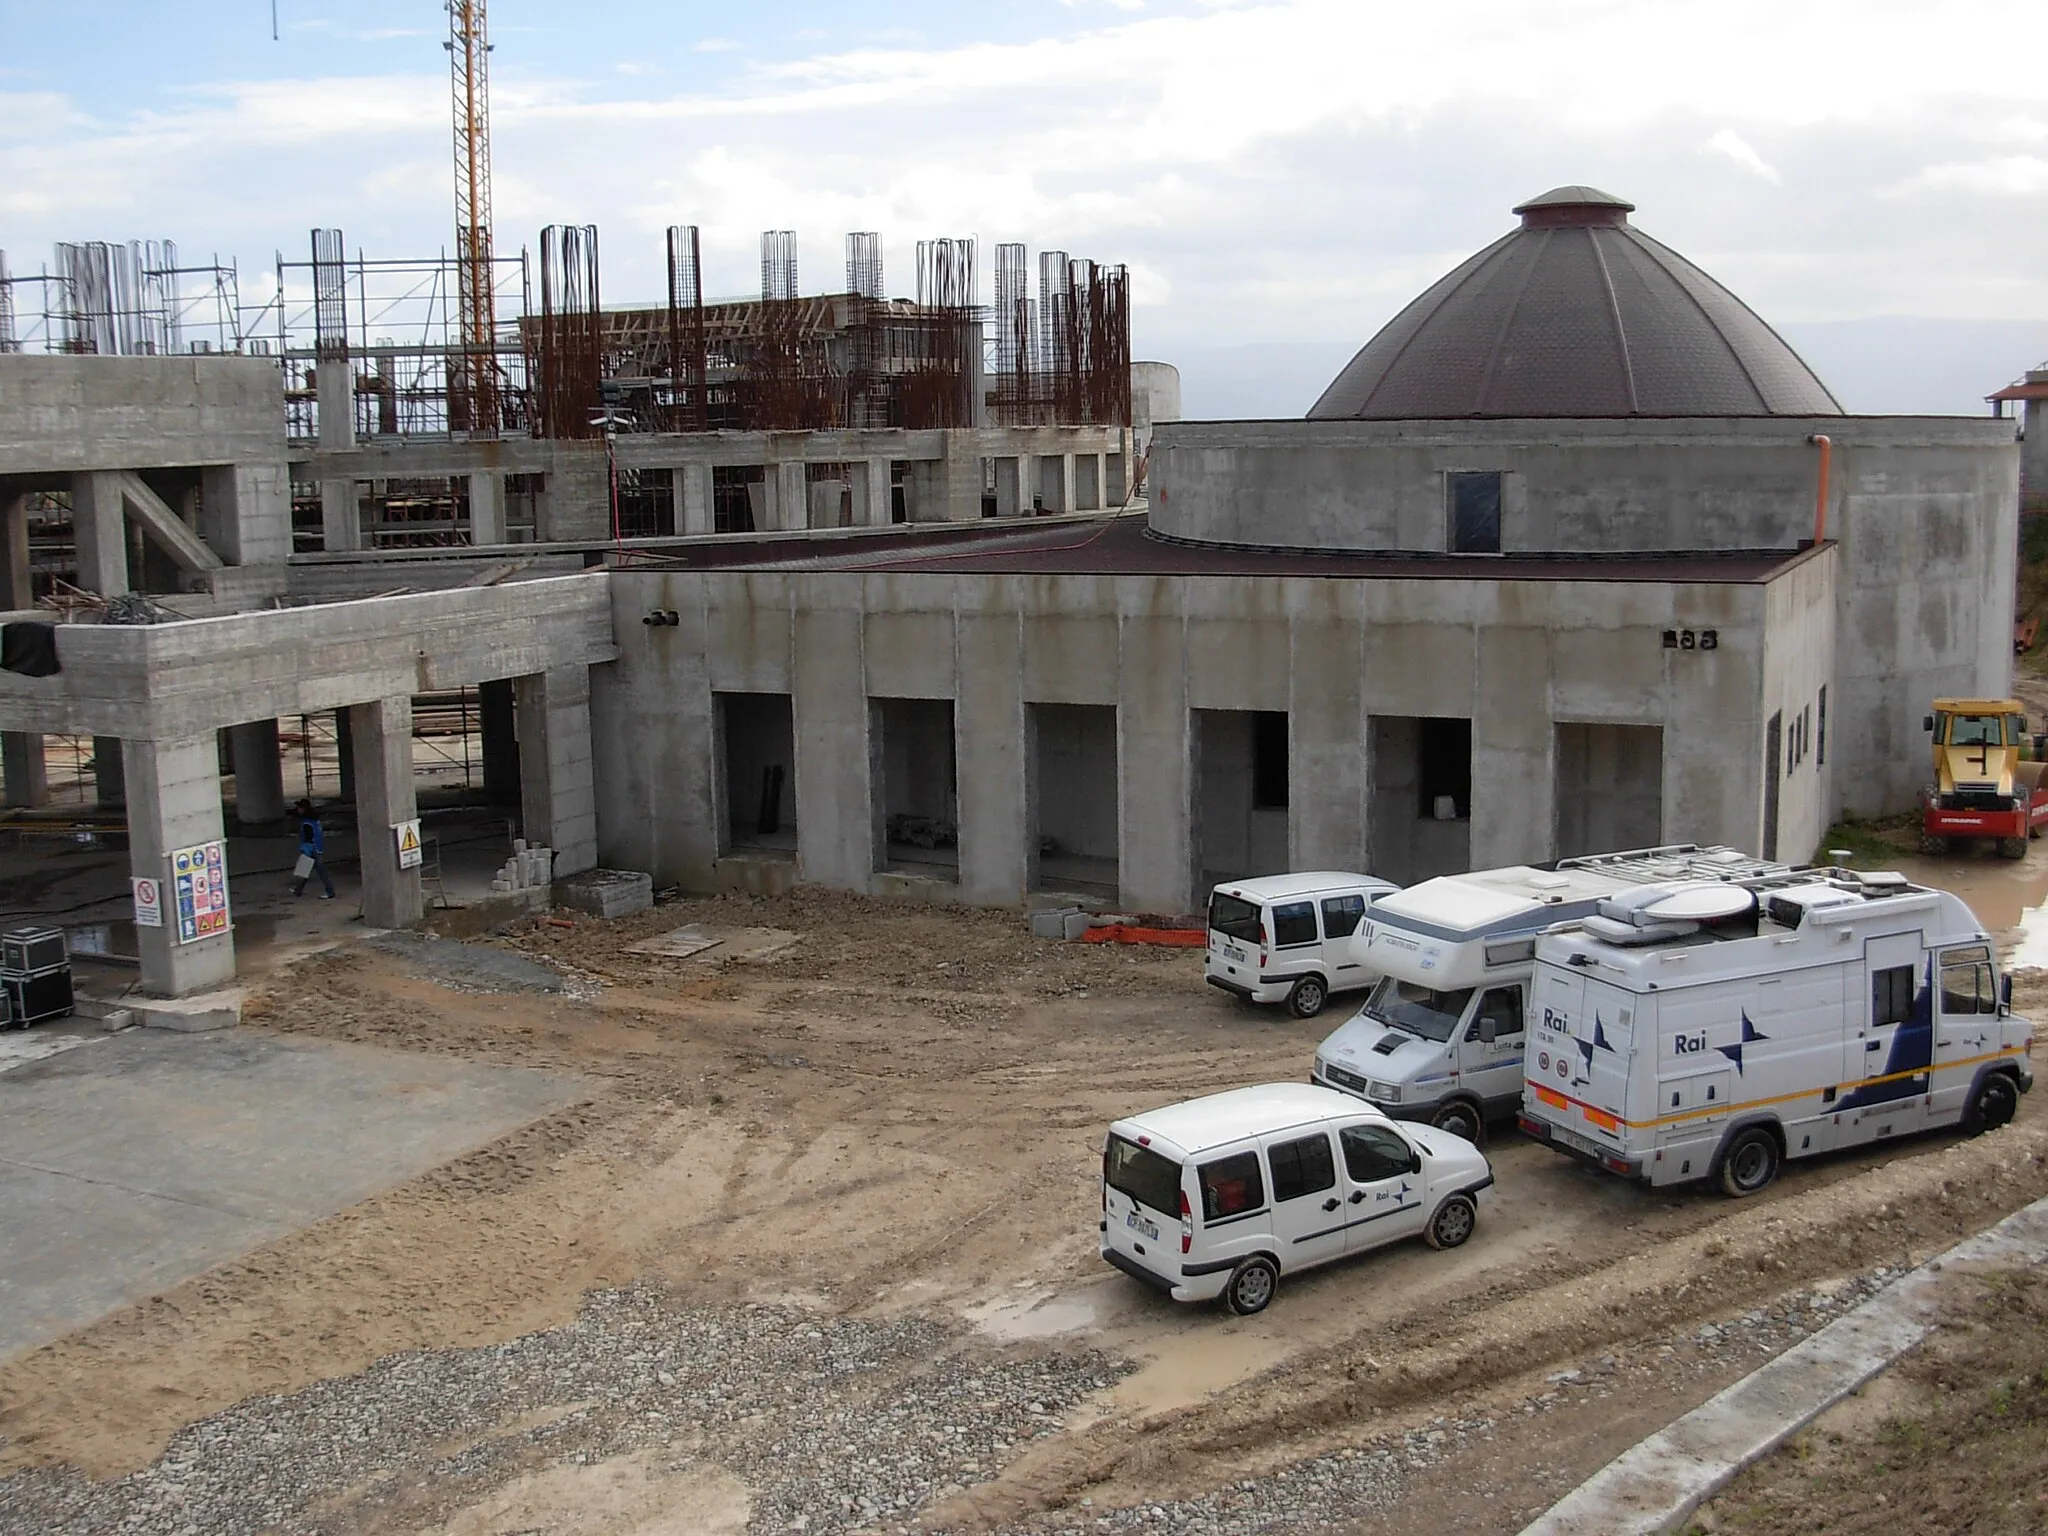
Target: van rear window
{"x":1233,"y":916}
{"x":1232,"y":1186}
{"x":1142,"y":1174}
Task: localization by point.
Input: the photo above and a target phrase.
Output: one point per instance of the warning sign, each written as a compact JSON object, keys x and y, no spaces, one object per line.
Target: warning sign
{"x":149,"y":904}
{"x":199,"y":884}
{"x":408,"y":844}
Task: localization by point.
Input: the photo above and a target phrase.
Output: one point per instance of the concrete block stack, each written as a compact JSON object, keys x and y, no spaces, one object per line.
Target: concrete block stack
{"x":530,"y":869}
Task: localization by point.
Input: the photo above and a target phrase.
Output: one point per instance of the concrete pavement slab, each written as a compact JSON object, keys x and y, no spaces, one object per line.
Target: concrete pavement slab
{"x":152,"y":1156}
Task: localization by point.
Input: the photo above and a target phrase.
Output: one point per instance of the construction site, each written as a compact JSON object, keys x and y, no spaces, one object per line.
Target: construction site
{"x":615,"y":862}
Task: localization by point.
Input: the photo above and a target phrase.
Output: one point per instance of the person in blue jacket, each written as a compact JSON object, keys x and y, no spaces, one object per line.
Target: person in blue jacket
{"x":312,"y":844}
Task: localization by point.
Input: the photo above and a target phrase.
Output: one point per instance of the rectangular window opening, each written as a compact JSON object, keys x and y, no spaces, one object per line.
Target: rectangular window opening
{"x":1474,"y":505}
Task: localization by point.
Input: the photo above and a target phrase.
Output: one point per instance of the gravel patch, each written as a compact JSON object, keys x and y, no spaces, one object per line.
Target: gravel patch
{"x":834,"y":1424}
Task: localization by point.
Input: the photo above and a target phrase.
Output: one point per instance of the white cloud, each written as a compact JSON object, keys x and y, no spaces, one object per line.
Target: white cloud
{"x":1732,"y":144}
{"x":2001,"y":176}
{"x":1270,"y":169}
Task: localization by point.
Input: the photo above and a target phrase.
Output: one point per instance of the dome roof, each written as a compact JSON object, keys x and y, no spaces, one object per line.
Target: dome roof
{"x":1576,"y":313}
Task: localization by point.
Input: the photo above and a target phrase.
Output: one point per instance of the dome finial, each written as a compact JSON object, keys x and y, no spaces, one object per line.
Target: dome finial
{"x":1574,"y":205}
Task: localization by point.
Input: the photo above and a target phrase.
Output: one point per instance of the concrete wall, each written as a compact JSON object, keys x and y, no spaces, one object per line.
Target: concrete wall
{"x":1581,"y":486}
{"x":62,"y":415}
{"x":1233,"y":837}
{"x":1515,"y":657}
{"x":175,"y":680}
{"x":1802,"y":655}
{"x":1610,"y":788}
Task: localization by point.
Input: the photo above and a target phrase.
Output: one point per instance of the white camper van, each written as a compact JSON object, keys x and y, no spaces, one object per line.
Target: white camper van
{"x":1442,"y":1036}
{"x":1221,"y":1196}
{"x":1287,"y":938}
{"x":1711,"y":1032}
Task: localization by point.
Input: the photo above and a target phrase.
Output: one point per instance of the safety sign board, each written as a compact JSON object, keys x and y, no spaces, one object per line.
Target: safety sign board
{"x":149,"y":904}
{"x":408,"y":843}
{"x":199,"y":885}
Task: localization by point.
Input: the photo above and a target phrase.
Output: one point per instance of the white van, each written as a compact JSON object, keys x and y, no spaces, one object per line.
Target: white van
{"x":1712,"y":1032}
{"x":1221,"y":1196}
{"x":1287,"y":938}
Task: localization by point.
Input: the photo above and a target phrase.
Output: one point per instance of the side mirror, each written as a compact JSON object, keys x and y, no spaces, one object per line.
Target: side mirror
{"x":1488,"y":1028}
{"x":2004,"y":994}
{"x":1927,"y":722}
{"x":1415,"y":1162}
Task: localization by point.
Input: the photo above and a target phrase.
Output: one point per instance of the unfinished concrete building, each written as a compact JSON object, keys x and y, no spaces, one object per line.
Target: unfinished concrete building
{"x":1575,"y":554}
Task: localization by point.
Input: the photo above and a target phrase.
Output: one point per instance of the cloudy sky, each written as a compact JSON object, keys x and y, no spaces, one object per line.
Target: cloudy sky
{"x":1281,"y":174}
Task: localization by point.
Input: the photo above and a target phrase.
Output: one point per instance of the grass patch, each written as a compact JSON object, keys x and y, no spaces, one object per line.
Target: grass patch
{"x":1872,"y":844}
{"x":1972,"y":1454}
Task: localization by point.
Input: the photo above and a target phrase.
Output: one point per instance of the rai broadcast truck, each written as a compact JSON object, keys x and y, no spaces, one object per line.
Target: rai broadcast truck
{"x":1442,"y":1036}
{"x":1698,"y":1031}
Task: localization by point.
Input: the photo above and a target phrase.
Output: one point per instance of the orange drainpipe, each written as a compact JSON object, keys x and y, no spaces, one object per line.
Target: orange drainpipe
{"x":1820,"y":495}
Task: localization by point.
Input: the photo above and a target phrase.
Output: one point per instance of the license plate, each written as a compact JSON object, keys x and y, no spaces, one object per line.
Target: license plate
{"x":1138,"y":1223}
{"x":1233,"y":951}
{"x":1577,"y":1143}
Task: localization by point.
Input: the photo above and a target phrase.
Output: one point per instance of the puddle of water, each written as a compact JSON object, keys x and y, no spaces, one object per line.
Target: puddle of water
{"x":113,"y":938}
{"x":1043,"y":1315}
{"x":2010,"y":897}
{"x":1194,"y":1365}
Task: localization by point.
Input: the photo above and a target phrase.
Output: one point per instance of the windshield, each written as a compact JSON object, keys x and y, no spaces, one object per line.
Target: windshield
{"x":1237,"y":918}
{"x":1976,"y":731}
{"x":1417,"y":1009}
{"x":1142,"y":1174}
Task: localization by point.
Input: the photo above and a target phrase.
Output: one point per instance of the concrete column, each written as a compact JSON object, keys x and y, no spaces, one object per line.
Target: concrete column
{"x":108,"y":773}
{"x":989,"y":731}
{"x":557,"y":792}
{"x":1098,"y":466}
{"x":259,"y":773}
{"x":381,"y":735}
{"x":873,"y":498}
{"x":175,"y":803}
{"x":693,"y":498}
{"x":345,"y":754}
{"x":486,"y":508}
{"x":1057,"y":470}
{"x":334,"y":379}
{"x":1514,"y":746}
{"x":834,"y":784}
{"x":1328,"y":788}
{"x":1030,"y":485}
{"x":100,"y":526}
{"x":245,"y":513}
{"x":341,"y":520}
{"x":792,"y":496}
{"x":17,"y":587}
{"x":1155,"y":791}
{"x":501,"y":740}
{"x":656,"y":782}
{"x":27,"y":774}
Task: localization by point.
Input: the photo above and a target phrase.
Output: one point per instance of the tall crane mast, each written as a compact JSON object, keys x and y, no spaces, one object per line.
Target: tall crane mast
{"x":476,"y":377}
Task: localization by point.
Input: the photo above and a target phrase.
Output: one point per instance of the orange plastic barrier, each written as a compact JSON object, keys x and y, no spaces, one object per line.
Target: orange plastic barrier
{"x":1129,"y":933}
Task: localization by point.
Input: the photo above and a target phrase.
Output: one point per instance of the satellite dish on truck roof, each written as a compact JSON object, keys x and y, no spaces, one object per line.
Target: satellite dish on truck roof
{"x":1703,"y":903}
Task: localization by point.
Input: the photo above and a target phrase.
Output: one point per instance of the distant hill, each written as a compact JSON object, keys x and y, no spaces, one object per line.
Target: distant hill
{"x":1892,"y":366}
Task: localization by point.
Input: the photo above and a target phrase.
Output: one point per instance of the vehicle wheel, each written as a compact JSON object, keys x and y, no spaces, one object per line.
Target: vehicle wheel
{"x":1994,"y":1104}
{"x":1933,"y":846}
{"x":2012,"y":847}
{"x":1452,"y":1223}
{"x":1751,"y":1163}
{"x":1308,"y":997}
{"x":1461,"y":1118}
{"x":1251,"y":1286}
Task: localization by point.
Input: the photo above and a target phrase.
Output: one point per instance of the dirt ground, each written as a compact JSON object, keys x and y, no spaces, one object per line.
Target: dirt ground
{"x":902,"y":1116}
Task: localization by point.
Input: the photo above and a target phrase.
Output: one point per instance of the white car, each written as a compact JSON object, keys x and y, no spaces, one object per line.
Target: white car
{"x":1288,"y":938}
{"x":1221,"y":1196}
